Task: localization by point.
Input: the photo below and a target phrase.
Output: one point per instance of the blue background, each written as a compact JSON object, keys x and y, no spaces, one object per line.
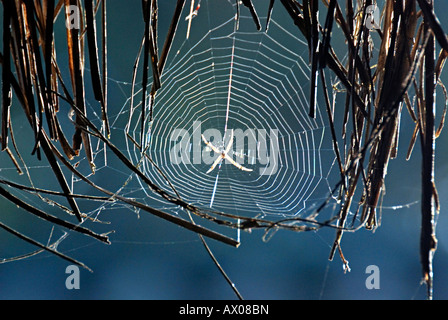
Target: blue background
{"x":151,"y":259}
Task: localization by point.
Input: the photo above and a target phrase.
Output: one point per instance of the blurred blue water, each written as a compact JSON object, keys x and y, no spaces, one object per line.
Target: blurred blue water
{"x":150,"y":259}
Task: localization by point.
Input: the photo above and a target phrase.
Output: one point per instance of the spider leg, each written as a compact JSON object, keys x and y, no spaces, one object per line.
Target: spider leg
{"x":217,"y":161}
{"x":208,"y":143}
{"x":236,"y":164}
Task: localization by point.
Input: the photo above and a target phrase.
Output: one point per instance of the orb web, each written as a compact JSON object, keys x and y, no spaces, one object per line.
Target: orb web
{"x":229,"y":81}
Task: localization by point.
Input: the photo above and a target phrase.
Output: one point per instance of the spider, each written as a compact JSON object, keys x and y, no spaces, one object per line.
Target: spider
{"x":223,"y":154}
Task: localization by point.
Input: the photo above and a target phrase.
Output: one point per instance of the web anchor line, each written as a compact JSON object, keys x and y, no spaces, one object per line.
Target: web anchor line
{"x":229,"y":93}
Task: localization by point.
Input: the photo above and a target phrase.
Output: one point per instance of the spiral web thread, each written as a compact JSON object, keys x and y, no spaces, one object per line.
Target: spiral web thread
{"x":247,"y":84}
